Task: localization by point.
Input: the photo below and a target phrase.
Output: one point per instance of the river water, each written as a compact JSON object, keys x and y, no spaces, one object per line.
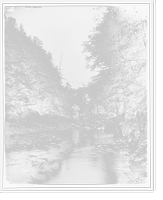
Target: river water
{"x":79,"y":159}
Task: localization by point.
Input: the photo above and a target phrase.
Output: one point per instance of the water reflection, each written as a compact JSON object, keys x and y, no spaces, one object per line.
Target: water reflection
{"x":89,"y":162}
{"x":77,"y":157}
{"x":84,"y":168}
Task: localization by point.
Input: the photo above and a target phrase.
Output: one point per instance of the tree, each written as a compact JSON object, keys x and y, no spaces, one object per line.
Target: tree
{"x":32,"y":81}
{"x":117,"y":52}
{"x":80,"y":101}
{"x":94,"y":93}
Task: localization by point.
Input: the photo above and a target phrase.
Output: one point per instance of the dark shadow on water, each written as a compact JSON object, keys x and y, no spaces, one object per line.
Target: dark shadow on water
{"x":80,"y":157}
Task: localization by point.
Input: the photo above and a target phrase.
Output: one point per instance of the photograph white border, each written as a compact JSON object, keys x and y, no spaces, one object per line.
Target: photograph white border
{"x":100,"y":189}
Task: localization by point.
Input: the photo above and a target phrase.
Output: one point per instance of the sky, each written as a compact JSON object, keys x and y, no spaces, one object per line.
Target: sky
{"x":63,"y":29}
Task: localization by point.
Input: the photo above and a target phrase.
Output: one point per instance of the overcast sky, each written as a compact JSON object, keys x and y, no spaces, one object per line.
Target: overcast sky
{"x":63,"y":30}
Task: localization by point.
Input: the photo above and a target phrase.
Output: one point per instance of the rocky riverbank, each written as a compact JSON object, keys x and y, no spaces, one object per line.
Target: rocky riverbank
{"x":23,"y":134}
{"x":137,"y":158}
{"x":33,"y":142}
{"x":131,"y":140}
{"x":34,"y":122}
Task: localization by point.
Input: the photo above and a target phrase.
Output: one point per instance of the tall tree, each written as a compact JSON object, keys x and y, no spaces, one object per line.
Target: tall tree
{"x":32,"y":81}
{"x":117,"y":51}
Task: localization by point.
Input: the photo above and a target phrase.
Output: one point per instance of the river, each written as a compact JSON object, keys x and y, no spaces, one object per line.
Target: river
{"x":79,"y":159}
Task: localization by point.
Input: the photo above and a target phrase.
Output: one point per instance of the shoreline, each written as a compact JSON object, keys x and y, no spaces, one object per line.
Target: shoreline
{"x":21,"y":136}
{"x":136,"y":148}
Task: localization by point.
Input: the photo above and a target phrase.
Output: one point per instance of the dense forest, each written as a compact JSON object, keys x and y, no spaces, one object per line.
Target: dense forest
{"x":32,"y":82}
{"x":114,"y":101}
{"x":111,"y":111}
{"x":118,"y":49}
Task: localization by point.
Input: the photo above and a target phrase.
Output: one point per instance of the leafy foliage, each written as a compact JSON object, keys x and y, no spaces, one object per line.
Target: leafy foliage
{"x":118,"y":48}
{"x":32,"y":82}
{"x":80,"y":100}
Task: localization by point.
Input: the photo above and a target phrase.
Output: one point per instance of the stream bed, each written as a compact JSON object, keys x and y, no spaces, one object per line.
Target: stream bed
{"x":79,"y":159}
